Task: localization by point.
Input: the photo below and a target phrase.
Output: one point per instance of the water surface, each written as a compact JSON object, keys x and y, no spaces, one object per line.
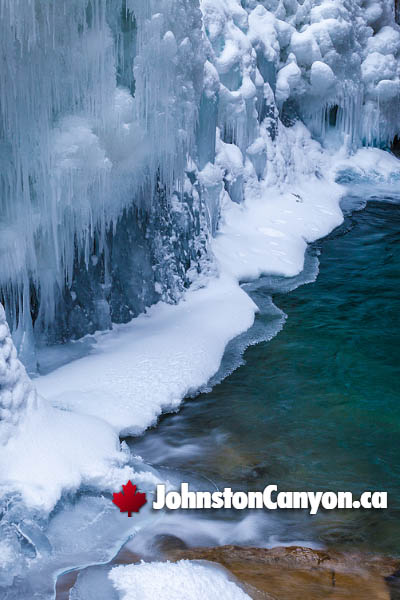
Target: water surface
{"x":315,"y":408}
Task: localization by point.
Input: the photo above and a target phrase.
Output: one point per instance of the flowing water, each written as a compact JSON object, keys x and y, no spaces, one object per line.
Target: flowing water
{"x":315,"y":408}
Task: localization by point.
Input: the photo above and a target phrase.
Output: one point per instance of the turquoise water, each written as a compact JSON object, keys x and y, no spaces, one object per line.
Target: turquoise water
{"x":317,"y":407}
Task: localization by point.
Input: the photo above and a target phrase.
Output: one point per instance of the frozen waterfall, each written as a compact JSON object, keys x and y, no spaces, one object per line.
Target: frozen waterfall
{"x":113,"y":113}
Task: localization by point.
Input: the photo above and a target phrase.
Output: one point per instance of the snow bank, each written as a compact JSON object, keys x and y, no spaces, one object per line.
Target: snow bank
{"x":46,"y":451}
{"x":296,"y":203}
{"x":185,"y":580}
{"x":141,"y":369}
{"x":55,"y":451}
{"x":147,"y":366}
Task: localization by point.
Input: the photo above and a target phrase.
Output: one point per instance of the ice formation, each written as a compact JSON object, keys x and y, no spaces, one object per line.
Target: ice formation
{"x":157,"y":153}
{"x":116,"y":120}
{"x":92,"y":146}
{"x":17,"y":394}
{"x":46,"y":452}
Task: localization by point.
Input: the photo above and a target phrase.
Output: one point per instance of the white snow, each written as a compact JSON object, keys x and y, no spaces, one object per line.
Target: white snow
{"x":76,"y":155}
{"x":287,"y":80}
{"x":270,"y":234}
{"x":46,"y":451}
{"x":184,"y":580}
{"x":96,"y":146}
{"x":55,"y":451}
{"x":370,"y":164}
{"x":322,"y":77}
{"x":147,"y":366}
{"x":150,"y":364}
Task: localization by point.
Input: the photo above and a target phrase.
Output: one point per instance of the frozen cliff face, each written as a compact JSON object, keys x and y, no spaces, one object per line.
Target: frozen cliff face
{"x":98,"y":110}
{"x":125,"y":126}
{"x":332,"y":63}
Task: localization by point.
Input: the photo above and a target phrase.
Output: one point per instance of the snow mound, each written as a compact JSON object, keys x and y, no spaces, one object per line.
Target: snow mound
{"x":46,"y":451}
{"x":185,"y":580}
{"x":55,"y":451}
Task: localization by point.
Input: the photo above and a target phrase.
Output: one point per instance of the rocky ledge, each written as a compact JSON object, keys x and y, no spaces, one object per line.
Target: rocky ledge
{"x":298,"y":573}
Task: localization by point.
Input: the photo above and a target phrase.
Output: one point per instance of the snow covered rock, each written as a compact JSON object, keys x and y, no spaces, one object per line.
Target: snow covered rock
{"x":184,"y":580}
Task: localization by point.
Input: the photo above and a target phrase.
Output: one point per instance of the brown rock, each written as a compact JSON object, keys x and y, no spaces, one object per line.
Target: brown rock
{"x":298,"y":573}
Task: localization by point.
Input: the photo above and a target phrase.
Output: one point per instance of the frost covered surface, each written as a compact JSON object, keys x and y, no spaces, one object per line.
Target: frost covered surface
{"x":369,"y":165}
{"x":55,"y":451}
{"x":184,"y":580}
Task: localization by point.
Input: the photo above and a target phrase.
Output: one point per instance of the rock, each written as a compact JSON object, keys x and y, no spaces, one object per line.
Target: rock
{"x":298,"y":573}
{"x":393,"y":581}
{"x":165,"y":544}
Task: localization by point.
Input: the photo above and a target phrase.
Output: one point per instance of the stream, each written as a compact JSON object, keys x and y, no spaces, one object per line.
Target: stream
{"x":313,"y":406}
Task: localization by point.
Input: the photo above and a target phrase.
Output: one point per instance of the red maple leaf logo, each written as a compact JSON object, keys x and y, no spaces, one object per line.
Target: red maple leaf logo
{"x":129,"y":500}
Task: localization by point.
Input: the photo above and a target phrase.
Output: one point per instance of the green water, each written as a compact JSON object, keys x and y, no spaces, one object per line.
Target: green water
{"x":316,"y":408}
